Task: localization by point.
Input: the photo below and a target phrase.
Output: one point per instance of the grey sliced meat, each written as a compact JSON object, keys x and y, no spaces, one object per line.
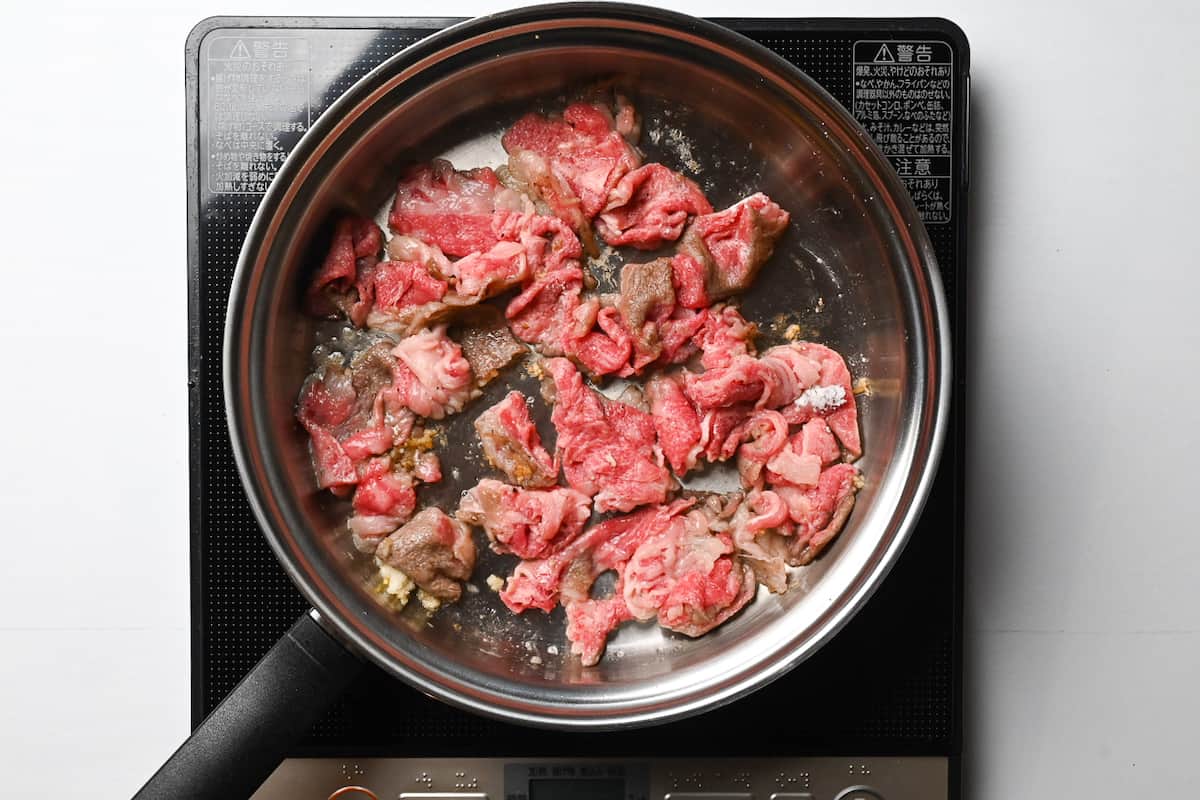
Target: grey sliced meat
{"x":436,"y":551}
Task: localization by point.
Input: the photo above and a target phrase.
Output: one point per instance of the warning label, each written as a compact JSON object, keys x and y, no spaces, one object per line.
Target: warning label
{"x":258,"y":107}
{"x":904,"y":97}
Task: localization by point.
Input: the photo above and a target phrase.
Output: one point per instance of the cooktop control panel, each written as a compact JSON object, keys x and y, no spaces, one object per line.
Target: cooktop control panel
{"x":831,"y":778}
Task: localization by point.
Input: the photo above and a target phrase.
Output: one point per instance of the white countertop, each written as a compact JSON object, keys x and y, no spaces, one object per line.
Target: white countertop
{"x":1083,"y":545}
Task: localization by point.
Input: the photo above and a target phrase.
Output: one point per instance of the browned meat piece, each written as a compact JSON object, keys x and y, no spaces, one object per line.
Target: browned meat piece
{"x":437,"y":552}
{"x":512,"y":444}
{"x":647,"y":298}
{"x":487,"y":343}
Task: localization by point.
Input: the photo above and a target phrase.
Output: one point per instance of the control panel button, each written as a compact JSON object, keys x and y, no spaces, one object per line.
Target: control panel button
{"x":443,"y":796}
{"x":708,"y":796}
{"x":791,"y":796}
{"x":859,"y":793}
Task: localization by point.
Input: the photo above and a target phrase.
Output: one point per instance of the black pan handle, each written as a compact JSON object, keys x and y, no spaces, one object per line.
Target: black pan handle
{"x":244,"y":739}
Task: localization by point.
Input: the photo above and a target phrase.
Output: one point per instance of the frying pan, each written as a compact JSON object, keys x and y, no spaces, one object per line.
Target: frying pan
{"x":855,"y":270}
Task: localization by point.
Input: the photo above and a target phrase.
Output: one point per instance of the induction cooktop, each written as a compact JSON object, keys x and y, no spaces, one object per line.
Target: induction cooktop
{"x":876,"y":713}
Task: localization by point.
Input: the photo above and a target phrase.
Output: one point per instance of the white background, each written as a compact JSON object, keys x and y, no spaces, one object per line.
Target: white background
{"x":1083,"y":544}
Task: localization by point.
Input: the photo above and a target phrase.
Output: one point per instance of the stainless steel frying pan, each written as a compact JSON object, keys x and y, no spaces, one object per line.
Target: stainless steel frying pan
{"x":855,"y":270}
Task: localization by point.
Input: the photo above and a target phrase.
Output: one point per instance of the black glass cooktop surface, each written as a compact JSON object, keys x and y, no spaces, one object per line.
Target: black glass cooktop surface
{"x":888,"y":684}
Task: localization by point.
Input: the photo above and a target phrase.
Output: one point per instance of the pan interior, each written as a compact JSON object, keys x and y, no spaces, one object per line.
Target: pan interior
{"x":844,"y":272}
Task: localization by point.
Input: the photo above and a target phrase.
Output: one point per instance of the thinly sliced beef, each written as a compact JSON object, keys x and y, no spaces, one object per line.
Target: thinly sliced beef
{"x":402,"y":295}
{"x":568,"y":575}
{"x":687,"y":577}
{"x":800,"y":460}
{"x":818,"y":513}
{"x":487,"y":273}
{"x":355,"y":248}
{"x":530,"y":523}
{"x":534,"y":173}
{"x":724,"y":335}
{"x":512,"y":445}
{"x":675,"y":421}
{"x":383,"y":501}
{"x":649,"y":207}
{"x":676,"y":333}
{"x":486,"y":342}
{"x":606,"y":349}
{"x":462,"y":237}
{"x":457,"y":211}
{"x":838,"y":408}
{"x":757,"y":537}
{"x":433,"y":378}
{"x":580,"y":158}
{"x":731,"y":377}
{"x":549,"y":243}
{"x":351,"y":414}
{"x":546,"y":314}
{"x":766,"y":433}
{"x":647,"y":299}
{"x":542,"y":583}
{"x":722,"y":431}
{"x":591,"y":621}
{"x":729,"y":246}
{"x":405,"y":293}
{"x":607,"y":448}
{"x":436,"y":551}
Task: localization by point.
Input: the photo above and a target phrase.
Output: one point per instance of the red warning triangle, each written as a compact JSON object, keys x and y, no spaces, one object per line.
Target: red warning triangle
{"x":884,"y":56}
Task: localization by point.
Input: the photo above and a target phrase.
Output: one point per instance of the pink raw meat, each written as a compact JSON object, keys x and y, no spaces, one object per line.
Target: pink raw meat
{"x":433,"y":377}
{"x":356,"y":245}
{"x":832,"y":371}
{"x":607,"y":448}
{"x":351,"y":414}
{"x":675,"y":421}
{"x":530,"y":523}
{"x":732,"y":244}
{"x":545,"y":312}
{"x":687,"y":577}
{"x":649,"y":207}
{"x":818,"y":513}
{"x":582,"y":152}
{"x":457,"y":211}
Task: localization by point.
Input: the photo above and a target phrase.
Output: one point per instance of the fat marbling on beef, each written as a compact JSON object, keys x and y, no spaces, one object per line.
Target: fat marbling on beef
{"x":723,"y":251}
{"x":687,"y":576}
{"x":575,"y":161}
{"x":352,"y":413}
{"x":512,"y":445}
{"x":433,"y":378}
{"x":529,"y":523}
{"x":464,"y":236}
{"x":679,"y":568}
{"x":546,"y":313}
{"x":649,"y":207}
{"x":337,"y":285}
{"x":607,"y":448}
{"x":458,"y":211}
